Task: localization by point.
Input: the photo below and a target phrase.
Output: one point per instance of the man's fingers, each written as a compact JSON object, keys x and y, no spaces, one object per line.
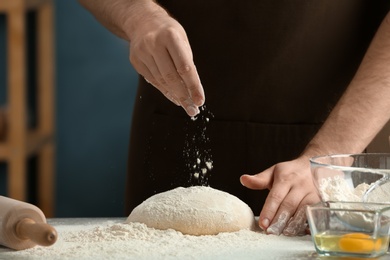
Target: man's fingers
{"x":297,"y":224}
{"x":284,"y":209}
{"x":258,"y":181}
{"x":149,"y":77}
{"x":278,"y":224}
{"x":173,"y":82}
{"x":171,"y":98}
{"x":164,"y":57}
{"x":172,"y":89}
{"x":181,"y":55}
{"x":276,"y":210}
{"x":169,"y":73}
{"x":146,"y":66}
{"x":254,"y":182}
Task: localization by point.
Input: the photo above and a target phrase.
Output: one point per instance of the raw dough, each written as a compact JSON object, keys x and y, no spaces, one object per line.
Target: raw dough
{"x":196,"y":210}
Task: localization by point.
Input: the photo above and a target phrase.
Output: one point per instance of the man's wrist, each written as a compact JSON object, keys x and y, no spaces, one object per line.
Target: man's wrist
{"x":140,"y":12}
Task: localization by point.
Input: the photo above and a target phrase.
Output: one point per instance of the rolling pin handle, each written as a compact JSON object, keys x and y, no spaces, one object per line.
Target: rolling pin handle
{"x":40,"y":233}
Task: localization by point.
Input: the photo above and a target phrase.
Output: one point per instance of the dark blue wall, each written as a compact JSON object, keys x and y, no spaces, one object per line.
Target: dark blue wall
{"x":95,"y":89}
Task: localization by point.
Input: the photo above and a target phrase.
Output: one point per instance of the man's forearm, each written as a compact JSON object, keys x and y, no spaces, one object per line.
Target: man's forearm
{"x":121,"y":16}
{"x":365,"y":106}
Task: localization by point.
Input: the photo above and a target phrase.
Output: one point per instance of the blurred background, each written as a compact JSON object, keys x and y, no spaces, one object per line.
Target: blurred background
{"x":95,"y":87}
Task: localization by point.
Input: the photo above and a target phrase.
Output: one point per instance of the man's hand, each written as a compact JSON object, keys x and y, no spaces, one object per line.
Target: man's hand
{"x":291,"y":190}
{"x":161,"y":53}
{"x":159,"y":47}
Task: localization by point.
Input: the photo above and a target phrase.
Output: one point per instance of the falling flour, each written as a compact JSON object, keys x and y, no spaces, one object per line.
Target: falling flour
{"x":113,"y":239}
{"x":197,"y":151}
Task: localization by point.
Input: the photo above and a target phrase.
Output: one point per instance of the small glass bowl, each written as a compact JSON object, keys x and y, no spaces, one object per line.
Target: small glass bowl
{"x":349,"y":229}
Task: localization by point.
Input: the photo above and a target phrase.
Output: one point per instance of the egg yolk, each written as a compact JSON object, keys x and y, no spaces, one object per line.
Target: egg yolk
{"x":358,"y":243}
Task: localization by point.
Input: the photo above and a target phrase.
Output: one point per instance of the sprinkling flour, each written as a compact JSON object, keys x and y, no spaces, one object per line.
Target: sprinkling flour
{"x":197,"y":151}
{"x":113,"y":239}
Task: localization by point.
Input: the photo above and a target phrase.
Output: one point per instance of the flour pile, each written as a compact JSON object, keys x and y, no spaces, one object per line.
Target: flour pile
{"x":110,"y":239}
{"x":338,"y":189}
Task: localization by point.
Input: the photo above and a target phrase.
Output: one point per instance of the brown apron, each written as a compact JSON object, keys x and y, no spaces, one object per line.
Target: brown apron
{"x":271,"y":69}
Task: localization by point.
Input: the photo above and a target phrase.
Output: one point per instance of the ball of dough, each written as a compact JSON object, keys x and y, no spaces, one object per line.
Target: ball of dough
{"x":197,"y":210}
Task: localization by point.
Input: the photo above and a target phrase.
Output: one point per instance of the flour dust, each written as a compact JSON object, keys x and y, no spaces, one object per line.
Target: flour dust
{"x":197,"y":151}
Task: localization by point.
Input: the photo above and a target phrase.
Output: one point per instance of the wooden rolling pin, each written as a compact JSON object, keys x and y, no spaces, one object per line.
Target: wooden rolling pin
{"x":23,"y":225}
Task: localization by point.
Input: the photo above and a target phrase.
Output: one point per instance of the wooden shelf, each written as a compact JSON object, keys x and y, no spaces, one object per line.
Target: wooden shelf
{"x":35,"y":142}
{"x":7,"y":5}
{"x":21,"y":142}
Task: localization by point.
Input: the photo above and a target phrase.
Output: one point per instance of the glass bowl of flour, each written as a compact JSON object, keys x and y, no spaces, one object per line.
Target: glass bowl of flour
{"x":352,"y":177}
{"x":350,"y":229}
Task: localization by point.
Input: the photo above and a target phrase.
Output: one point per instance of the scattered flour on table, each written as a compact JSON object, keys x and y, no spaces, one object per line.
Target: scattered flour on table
{"x":114,"y":240}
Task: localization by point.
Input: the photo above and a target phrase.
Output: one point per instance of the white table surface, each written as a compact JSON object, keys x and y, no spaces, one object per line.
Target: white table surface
{"x":288,"y":247}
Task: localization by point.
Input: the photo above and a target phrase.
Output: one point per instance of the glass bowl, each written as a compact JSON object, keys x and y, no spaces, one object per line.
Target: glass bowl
{"x":352,"y":177}
{"x":349,"y":229}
